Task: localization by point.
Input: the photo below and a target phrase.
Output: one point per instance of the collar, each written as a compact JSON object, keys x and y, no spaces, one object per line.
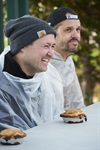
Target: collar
{"x":13,"y":68}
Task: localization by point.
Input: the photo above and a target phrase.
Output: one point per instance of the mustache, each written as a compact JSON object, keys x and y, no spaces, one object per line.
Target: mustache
{"x":73,"y":39}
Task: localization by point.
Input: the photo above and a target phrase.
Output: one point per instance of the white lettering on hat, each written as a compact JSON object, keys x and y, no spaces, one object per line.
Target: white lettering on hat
{"x":68,"y":16}
{"x":41,"y":33}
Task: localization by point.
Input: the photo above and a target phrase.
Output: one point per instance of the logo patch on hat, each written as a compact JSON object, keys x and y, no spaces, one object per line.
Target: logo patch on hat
{"x":69,"y":16}
{"x":41,"y":33}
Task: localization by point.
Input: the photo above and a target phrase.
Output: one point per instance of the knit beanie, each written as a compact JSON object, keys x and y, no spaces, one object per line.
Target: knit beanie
{"x":60,"y":14}
{"x":24,"y":30}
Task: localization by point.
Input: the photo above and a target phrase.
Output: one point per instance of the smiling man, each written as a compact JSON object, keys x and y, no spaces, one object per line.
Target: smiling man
{"x":31,"y":90}
{"x":68,"y":27}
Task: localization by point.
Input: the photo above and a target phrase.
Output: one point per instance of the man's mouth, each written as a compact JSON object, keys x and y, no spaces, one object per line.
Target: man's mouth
{"x":45,"y":60}
{"x":74,"y":40}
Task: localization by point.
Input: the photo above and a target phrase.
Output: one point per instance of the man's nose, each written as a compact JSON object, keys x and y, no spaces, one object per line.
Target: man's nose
{"x":51,"y":52}
{"x":75,"y":33}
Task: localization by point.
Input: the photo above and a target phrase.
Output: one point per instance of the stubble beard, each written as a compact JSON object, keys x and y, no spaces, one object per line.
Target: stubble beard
{"x":70,"y":49}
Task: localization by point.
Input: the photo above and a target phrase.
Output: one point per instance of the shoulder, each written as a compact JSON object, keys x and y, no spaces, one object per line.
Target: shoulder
{"x":2,"y":55}
{"x":70,"y":62}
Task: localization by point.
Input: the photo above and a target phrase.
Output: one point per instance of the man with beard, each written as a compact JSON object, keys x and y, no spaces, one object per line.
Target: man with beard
{"x":67,"y":25}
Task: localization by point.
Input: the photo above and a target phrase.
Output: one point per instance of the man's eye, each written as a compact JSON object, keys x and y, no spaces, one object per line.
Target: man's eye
{"x":68,"y":30}
{"x":79,"y":29}
{"x":46,"y":46}
{"x":53,"y":46}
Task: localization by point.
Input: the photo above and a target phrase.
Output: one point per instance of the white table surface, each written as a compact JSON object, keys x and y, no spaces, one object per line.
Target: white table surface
{"x":57,"y":135}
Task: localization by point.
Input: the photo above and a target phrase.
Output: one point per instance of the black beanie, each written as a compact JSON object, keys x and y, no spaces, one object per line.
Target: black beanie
{"x":24,"y":30}
{"x":59,"y":15}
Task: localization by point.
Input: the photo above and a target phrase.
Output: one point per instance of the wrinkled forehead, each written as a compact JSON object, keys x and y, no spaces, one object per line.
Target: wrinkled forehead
{"x":74,"y":23}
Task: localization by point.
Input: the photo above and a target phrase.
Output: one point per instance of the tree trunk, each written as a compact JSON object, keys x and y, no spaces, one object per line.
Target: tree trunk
{"x":87,"y":83}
